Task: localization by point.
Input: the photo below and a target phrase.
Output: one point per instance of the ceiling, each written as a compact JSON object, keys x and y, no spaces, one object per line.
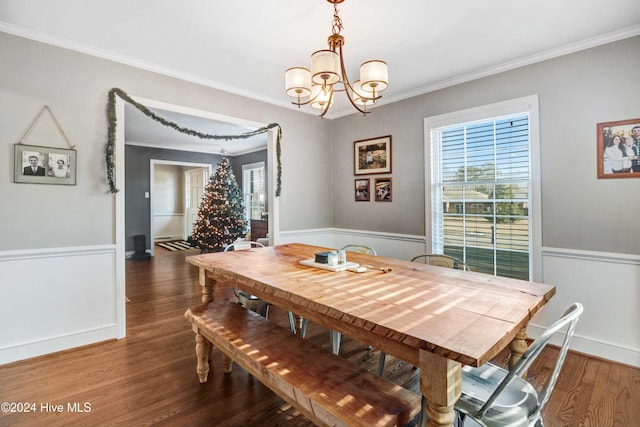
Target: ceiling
{"x":244,"y":46}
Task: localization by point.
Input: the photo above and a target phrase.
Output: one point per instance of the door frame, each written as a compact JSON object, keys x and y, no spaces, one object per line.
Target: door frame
{"x":119,"y":196}
{"x":152,"y":166}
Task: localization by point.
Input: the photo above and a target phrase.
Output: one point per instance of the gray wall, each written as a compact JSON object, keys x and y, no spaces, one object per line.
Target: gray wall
{"x":137,"y":208}
{"x":575,"y":91}
{"x":75,"y":87}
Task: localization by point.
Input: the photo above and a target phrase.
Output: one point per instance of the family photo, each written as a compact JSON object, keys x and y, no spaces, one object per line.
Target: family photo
{"x":619,"y":149}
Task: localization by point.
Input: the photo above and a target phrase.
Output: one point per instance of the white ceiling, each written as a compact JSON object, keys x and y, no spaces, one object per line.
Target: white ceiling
{"x":244,"y":46}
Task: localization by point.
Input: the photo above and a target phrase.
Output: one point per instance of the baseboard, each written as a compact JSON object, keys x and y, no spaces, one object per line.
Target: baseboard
{"x":54,"y":344}
{"x":594,"y":347}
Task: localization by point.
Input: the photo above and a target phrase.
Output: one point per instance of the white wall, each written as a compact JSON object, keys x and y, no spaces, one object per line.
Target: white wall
{"x":168,"y":202}
{"x":56,"y":298}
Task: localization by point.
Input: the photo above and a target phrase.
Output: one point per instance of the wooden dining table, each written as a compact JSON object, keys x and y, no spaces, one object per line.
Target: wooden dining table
{"x":435,"y":318}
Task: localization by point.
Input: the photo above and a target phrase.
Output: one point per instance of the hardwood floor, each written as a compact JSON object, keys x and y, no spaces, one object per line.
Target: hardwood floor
{"x":149,"y":377}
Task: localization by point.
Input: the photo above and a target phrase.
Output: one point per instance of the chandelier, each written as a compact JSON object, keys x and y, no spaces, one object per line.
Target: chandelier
{"x":328,"y":75}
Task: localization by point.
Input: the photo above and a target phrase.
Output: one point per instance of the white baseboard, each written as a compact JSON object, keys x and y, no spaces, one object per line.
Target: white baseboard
{"x":54,"y":344}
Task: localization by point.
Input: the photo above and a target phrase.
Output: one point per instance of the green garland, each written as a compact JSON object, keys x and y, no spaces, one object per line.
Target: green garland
{"x":111,"y":142}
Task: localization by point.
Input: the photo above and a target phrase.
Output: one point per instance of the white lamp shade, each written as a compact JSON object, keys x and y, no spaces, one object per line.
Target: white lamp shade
{"x":325,"y":67}
{"x":321,"y":96}
{"x":374,"y":76}
{"x":358,"y":96}
{"x":298,"y":82}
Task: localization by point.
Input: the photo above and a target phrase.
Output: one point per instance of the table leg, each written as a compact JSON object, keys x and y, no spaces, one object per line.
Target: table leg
{"x":207,"y":286}
{"x":518,"y":347}
{"x":440,"y":384}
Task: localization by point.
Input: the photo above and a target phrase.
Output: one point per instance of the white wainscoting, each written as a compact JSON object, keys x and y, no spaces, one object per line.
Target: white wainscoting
{"x":55,"y":299}
{"x":168,"y":226}
{"x":401,"y":246}
{"x":608,"y":285}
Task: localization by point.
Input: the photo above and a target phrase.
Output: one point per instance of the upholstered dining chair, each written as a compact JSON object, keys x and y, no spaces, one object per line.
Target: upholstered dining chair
{"x":248,"y":301}
{"x":493,"y":396}
{"x":441,"y":260}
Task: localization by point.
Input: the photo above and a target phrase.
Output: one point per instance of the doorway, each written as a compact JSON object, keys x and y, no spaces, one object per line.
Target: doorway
{"x":119,"y":197}
{"x":175,"y":193}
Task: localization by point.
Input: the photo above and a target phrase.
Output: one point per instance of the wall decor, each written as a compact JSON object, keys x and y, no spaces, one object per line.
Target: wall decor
{"x":34,"y":164}
{"x":619,"y":149}
{"x":362,"y":192}
{"x":372,"y":156}
{"x":383,"y":189}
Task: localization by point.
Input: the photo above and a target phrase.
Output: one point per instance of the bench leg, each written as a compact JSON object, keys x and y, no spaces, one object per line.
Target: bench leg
{"x":203,"y":350}
{"x":227,"y":363}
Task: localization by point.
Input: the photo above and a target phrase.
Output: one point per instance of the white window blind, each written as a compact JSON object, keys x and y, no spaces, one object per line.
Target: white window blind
{"x":481,"y":194}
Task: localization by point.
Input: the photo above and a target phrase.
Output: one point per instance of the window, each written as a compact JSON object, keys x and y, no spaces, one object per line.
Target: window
{"x":483,"y":172}
{"x":253,"y":189}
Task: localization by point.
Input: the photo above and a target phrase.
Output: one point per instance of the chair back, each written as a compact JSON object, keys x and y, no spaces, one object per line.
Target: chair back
{"x":241,"y":245}
{"x":360,"y":249}
{"x":441,"y":260}
{"x":569,"y":319}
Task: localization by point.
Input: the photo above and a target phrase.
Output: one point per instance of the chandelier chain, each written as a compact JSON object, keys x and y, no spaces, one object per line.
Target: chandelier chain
{"x":336,"y":25}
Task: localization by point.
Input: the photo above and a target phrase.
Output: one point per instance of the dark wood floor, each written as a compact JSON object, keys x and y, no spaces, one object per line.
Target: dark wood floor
{"x":149,"y":377}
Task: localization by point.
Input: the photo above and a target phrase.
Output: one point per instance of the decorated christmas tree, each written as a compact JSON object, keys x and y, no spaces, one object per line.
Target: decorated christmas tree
{"x":221,"y":217}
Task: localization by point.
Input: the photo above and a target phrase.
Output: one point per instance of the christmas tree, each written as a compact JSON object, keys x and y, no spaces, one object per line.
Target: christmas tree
{"x":221,"y":217}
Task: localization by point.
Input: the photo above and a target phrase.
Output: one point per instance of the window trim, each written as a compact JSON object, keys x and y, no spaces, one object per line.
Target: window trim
{"x":245,"y":169}
{"x":525,"y":105}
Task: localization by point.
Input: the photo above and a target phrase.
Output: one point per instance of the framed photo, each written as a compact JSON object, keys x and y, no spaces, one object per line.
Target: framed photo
{"x":619,"y":149}
{"x":383,"y":189}
{"x":362,"y":190}
{"x":44,"y":165}
{"x":372,"y":156}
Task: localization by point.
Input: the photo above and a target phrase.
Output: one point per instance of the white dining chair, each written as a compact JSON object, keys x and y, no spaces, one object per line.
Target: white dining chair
{"x":248,"y":301}
{"x":335,"y":336}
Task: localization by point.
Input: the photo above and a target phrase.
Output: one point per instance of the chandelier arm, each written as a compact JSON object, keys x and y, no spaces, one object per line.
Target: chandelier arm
{"x":307,"y":102}
{"x":347,"y":85}
{"x":326,"y":108}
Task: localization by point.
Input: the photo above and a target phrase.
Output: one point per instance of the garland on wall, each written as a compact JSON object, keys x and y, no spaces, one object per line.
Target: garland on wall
{"x":111,"y":142}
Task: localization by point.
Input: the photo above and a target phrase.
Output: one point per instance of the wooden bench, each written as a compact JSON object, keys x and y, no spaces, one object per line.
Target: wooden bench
{"x":327,"y":389}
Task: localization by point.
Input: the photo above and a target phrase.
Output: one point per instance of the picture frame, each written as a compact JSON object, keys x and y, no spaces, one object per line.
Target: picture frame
{"x":362,"y":190}
{"x":35,"y":164}
{"x":372,"y":156}
{"x":383,"y":189}
{"x":618,"y":149}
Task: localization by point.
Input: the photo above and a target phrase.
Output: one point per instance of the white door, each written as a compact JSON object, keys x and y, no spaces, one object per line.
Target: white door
{"x":195,"y":180}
